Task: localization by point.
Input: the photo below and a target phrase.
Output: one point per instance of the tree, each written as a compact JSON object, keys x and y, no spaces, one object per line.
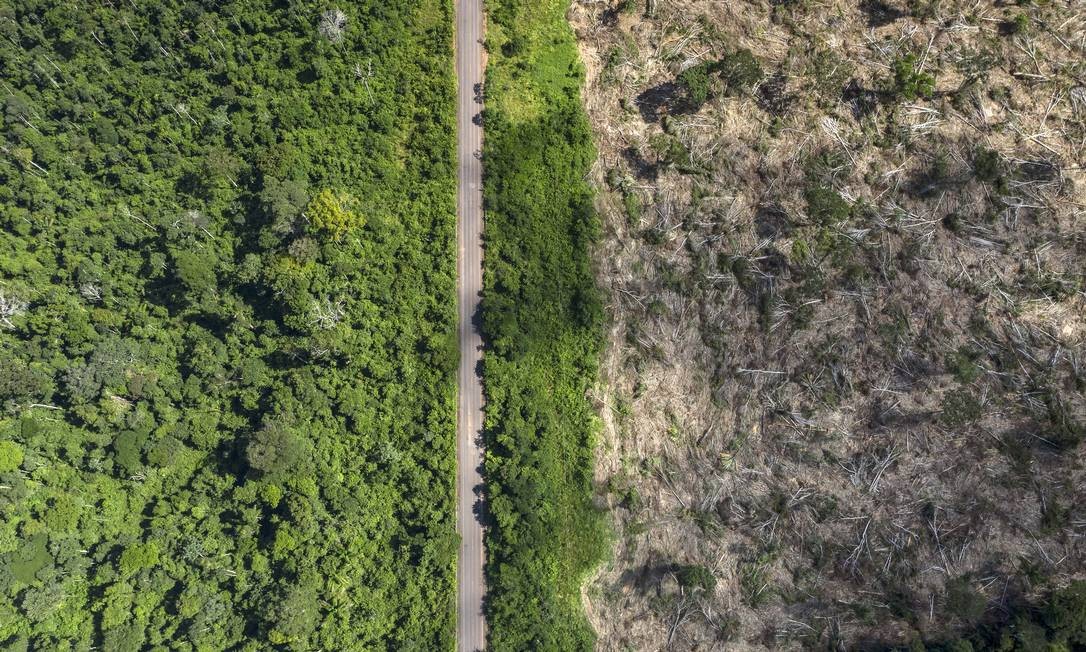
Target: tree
{"x":330,"y":212}
{"x":333,"y":25}
{"x":11,"y":456}
{"x":10,"y":306}
{"x":909,"y":82}
{"x":275,"y":448}
{"x":137,"y":557}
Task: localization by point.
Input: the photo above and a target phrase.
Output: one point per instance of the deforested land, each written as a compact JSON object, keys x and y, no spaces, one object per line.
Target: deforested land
{"x":843,"y":254}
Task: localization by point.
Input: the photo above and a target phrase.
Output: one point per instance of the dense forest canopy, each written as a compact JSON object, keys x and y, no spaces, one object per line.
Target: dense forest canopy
{"x":226,"y":325}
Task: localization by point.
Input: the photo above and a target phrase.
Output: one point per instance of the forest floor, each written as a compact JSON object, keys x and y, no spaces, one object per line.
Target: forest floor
{"x":843,"y":388}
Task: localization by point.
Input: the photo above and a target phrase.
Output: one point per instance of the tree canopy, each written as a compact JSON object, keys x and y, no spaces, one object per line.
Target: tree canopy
{"x":226,"y":306}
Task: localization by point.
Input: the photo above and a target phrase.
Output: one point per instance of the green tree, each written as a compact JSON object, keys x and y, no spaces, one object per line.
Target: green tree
{"x":275,"y":448}
{"x":11,"y":456}
{"x":331,"y":213}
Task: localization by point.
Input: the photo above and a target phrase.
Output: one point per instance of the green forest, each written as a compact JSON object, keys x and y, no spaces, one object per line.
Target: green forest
{"x":227,"y":315}
{"x":543,"y":319}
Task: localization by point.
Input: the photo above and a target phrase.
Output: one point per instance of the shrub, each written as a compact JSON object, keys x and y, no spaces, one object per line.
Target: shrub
{"x":988,"y":166}
{"x":909,"y":82}
{"x":697,"y":83}
{"x":963,"y":601}
{"x":959,"y":407}
{"x":825,"y":206}
{"x":740,"y":71}
{"x":963,"y":364}
{"x":1064,"y":430}
{"x":1065,"y":613}
{"x":696,"y":578}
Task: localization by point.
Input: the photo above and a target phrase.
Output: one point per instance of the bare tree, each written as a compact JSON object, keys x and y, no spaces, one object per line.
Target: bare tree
{"x":91,"y":292}
{"x":332,"y":25}
{"x":327,"y":314}
{"x":10,"y":307}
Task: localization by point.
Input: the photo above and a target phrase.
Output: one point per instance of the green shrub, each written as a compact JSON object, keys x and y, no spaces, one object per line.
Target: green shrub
{"x":825,"y":206}
{"x":631,"y":201}
{"x":963,"y":364}
{"x":963,"y":601}
{"x":909,"y":83}
{"x":1064,"y":430}
{"x":988,"y":166}
{"x":959,"y":407}
{"x":1065,"y":614}
{"x":696,"y":578}
{"x":1020,"y":24}
{"x":740,"y":71}
{"x":696,"y":81}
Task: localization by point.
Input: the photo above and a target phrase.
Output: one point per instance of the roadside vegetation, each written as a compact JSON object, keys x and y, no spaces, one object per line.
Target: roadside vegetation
{"x":844,"y":385}
{"x":227,"y":326}
{"x":542,"y":319}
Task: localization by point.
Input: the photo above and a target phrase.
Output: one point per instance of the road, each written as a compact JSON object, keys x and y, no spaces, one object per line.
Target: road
{"x":470,"y":582}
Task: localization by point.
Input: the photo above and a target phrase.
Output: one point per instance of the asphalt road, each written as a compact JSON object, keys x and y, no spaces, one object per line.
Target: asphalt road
{"x":470,"y":582}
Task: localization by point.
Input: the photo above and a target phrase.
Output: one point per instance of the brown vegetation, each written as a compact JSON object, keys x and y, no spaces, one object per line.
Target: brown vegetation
{"x":844,"y":250}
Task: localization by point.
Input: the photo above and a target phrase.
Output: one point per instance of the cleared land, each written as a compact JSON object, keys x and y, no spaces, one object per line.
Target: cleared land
{"x":843,"y":387}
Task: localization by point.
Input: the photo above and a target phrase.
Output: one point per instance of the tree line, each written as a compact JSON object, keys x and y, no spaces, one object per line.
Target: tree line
{"x":543,"y":321}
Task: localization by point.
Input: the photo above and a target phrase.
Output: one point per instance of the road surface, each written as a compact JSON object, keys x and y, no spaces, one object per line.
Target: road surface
{"x":470,"y":583}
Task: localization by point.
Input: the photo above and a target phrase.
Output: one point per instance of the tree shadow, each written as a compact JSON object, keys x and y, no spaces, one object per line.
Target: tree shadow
{"x":660,"y":100}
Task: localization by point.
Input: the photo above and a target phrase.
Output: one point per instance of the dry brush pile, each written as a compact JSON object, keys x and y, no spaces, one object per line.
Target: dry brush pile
{"x":844,"y":251}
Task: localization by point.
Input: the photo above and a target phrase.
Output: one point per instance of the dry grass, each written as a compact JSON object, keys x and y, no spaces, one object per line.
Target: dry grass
{"x":839,"y":418}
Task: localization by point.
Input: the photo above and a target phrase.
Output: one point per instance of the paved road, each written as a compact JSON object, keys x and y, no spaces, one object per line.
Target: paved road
{"x":470,"y":583}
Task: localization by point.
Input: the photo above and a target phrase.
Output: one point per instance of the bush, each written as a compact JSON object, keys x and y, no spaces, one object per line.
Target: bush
{"x":696,"y":578}
{"x":825,"y":206}
{"x":908,"y":82}
{"x":696,"y":82}
{"x":959,"y":407}
{"x":963,"y":601}
{"x":740,"y":71}
{"x":1065,"y":613}
{"x":988,"y":166}
{"x":1064,"y":430}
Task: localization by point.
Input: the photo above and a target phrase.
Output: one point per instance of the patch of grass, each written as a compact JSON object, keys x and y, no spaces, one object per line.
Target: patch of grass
{"x":959,"y":407}
{"x":754,"y":579}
